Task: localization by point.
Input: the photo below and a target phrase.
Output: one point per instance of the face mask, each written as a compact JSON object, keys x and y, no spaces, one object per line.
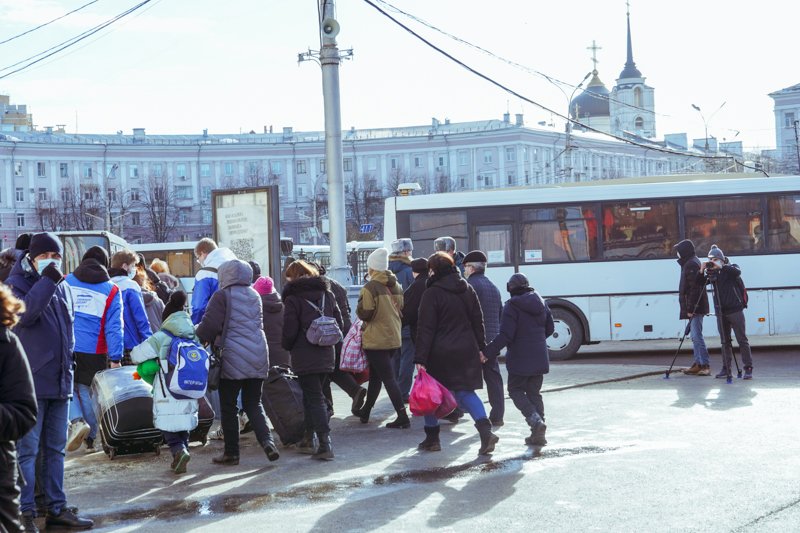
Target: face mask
{"x":679,"y":255}
{"x":44,"y":263}
{"x":717,"y":262}
{"x":132,"y":273}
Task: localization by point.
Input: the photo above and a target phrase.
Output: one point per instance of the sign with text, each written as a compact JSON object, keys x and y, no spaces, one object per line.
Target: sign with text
{"x":367,"y":228}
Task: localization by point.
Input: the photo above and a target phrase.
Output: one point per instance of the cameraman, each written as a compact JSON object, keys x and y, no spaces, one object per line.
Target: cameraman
{"x":693,"y":304}
{"x":729,"y":306}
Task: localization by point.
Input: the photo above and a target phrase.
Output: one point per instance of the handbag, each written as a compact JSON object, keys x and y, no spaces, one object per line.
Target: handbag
{"x":353,"y":358}
{"x":215,"y":359}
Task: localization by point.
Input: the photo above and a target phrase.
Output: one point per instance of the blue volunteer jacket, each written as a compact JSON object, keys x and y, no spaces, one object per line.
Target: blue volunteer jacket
{"x":206,"y":283}
{"x":134,"y":316}
{"x":98,"y":311}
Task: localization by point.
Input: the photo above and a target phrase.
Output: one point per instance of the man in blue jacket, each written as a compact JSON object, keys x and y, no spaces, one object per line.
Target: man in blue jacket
{"x":98,"y":338}
{"x":134,"y":317}
{"x":45,"y":330}
{"x":205,"y":281}
{"x":492,"y":307}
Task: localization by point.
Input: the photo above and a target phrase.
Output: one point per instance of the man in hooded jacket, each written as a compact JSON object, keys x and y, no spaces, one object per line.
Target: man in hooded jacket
{"x":693,"y":301}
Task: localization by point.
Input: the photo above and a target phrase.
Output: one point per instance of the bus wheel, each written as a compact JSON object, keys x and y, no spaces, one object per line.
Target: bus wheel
{"x":567,"y":336}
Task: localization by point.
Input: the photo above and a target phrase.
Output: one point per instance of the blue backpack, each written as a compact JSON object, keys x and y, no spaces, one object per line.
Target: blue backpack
{"x":187,"y":368}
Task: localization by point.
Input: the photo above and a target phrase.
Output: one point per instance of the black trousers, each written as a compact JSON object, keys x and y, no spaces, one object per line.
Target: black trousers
{"x":525,"y":391}
{"x":9,"y":488}
{"x":316,"y":410}
{"x":494,"y":388}
{"x":251,"y":403}
{"x":381,"y":371}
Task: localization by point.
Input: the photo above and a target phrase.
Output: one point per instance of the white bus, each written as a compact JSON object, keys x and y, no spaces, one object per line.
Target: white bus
{"x":179,"y":256}
{"x":601,"y":252}
{"x":77,"y":242}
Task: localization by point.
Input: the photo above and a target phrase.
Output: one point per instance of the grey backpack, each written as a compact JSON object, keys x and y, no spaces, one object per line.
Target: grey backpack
{"x":323,"y":331}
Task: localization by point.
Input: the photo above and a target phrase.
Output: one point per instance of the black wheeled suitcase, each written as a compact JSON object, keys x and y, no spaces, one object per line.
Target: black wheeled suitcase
{"x":205,"y":419}
{"x":283,"y":402}
{"x":124,"y":410}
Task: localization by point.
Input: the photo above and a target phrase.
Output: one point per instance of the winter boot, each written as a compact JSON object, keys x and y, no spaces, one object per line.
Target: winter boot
{"x":226,"y":459}
{"x":325,"y":449}
{"x":308,"y":445}
{"x":364,"y":412}
{"x":179,"y":461}
{"x":358,"y":401}
{"x":488,"y":439}
{"x":538,"y":429}
{"x":401,"y":422}
{"x":29,"y":523}
{"x":431,"y":442}
{"x":724,"y":373}
{"x":270,"y":449}
{"x":693,"y":371}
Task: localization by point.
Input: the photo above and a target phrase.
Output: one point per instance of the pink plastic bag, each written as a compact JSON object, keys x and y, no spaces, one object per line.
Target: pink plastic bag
{"x":429,"y":397}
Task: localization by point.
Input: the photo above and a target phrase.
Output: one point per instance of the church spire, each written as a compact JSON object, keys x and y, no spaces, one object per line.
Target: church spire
{"x":630,"y":70}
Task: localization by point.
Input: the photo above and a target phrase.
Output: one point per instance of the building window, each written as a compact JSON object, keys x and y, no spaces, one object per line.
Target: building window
{"x":40,"y":170}
{"x":157,"y":170}
{"x":42,"y":194}
{"x":206,"y":216}
{"x":134,"y":195}
{"x":18,"y":168}
{"x":637,"y":97}
{"x":512,"y":178}
{"x":788,"y":120}
{"x":183,"y":217}
{"x":88,"y":194}
{"x":348,"y":164}
{"x":511,"y":154}
{"x":639,"y":123}
{"x":463,"y":181}
{"x":19,"y":194}
{"x":20,"y":220}
{"x":206,"y":193}
{"x":112,"y":195}
{"x":277,"y":168}
{"x":393,"y":163}
{"x":205,"y":170}
{"x":183,"y":192}
{"x":463,"y":158}
{"x":66,"y":195}
{"x":133,"y":171}
{"x":441,"y":161}
{"x":63,"y":170}
{"x":487,"y":157}
{"x":252,"y":168}
{"x":136,"y":219}
{"x":301,"y":191}
{"x":417,"y":162}
{"x":322,"y":166}
{"x":86,"y":170}
{"x":111,"y":170}
{"x":301,"y":166}
{"x":180,"y":170}
{"x":372,"y":163}
{"x":228,"y":168}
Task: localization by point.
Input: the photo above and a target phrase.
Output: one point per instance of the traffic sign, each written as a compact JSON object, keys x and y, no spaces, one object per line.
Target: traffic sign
{"x":367,"y":228}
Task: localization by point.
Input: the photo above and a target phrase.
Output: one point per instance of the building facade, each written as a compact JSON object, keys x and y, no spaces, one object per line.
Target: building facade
{"x":787,"y":125}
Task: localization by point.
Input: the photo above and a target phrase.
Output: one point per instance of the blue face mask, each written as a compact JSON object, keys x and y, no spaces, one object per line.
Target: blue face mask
{"x":132,"y":273}
{"x":41,"y":264}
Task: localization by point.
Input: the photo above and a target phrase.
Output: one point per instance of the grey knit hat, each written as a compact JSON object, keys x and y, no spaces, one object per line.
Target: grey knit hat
{"x":716,"y":253}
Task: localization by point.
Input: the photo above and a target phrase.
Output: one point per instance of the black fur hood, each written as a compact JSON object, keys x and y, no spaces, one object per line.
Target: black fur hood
{"x":305,"y":285}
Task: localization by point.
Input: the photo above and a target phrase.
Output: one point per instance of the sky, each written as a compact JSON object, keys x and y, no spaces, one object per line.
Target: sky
{"x":181,"y":66}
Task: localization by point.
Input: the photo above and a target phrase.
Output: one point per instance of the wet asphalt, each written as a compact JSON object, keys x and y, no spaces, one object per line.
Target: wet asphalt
{"x":624,"y":454}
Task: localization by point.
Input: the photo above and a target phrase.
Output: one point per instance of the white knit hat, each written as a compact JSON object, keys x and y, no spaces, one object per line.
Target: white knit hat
{"x":379,"y":259}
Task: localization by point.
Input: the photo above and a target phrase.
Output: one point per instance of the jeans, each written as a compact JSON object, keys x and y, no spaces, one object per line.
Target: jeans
{"x":51,"y":428}
{"x":177,"y":441}
{"x":525,"y":393}
{"x":316,"y":410}
{"x":251,"y":403}
{"x":735,"y":321}
{"x":698,"y":342}
{"x":381,"y":372}
{"x":81,"y":407}
{"x":404,"y":365}
{"x":468,"y":401}
{"x":494,"y":388}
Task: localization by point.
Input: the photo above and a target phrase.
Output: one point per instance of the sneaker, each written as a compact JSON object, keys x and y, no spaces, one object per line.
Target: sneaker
{"x":705,"y":370}
{"x":244,"y":423}
{"x":179,"y":461}
{"x":748,"y":372}
{"x":78,"y":430}
{"x":724,"y":373}
{"x":216,"y":434}
{"x":694,"y":370}
{"x":90,"y":445}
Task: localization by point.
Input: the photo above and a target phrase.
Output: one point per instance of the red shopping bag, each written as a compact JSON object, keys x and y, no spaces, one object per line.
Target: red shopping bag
{"x":429,"y":397}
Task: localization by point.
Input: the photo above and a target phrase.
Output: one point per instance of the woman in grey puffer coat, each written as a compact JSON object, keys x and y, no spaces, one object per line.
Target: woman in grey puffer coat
{"x":245,"y":356}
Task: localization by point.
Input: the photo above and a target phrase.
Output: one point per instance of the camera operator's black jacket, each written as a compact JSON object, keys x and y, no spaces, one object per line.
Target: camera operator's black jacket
{"x":692,"y":285}
{"x":731,"y":300}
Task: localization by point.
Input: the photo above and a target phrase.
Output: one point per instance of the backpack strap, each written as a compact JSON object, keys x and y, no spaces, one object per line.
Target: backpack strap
{"x":209,"y":269}
{"x":320,"y":311}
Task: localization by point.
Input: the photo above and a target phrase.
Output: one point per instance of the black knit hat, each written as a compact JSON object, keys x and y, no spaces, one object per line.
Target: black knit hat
{"x":419,"y":266}
{"x":177,"y":301}
{"x":98,"y":253}
{"x":517,"y":282}
{"x":23,"y":241}
{"x":256,"y":270}
{"x":42,"y":243}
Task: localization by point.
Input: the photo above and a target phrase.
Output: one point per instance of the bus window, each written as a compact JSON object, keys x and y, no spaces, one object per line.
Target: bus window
{"x":495,"y":242}
{"x":783,"y":231}
{"x":181,"y":264}
{"x":427,"y":227}
{"x":557,"y":234}
{"x":733,"y":224}
{"x":76,"y":245}
{"x":639,"y":230}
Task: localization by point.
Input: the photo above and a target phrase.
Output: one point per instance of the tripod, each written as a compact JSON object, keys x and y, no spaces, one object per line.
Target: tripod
{"x":686,"y":331}
{"x":725,"y":335}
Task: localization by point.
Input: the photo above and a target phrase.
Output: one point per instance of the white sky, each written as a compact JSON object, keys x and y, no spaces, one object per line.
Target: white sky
{"x":179,"y":66}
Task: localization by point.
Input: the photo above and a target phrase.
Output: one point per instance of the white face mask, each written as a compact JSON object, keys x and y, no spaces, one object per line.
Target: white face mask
{"x":41,"y":264}
{"x":132,"y":272}
{"x":679,"y":255}
{"x":717,"y":262}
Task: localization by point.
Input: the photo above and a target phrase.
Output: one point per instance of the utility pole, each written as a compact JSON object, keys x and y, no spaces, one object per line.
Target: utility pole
{"x":797,"y":143}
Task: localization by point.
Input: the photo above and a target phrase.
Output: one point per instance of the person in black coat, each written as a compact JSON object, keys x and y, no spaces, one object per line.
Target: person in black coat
{"x":524,"y":328}
{"x":450,"y":338}
{"x":304,"y":290}
{"x":18,"y":408}
{"x":413,"y":295}
{"x":693,"y":301}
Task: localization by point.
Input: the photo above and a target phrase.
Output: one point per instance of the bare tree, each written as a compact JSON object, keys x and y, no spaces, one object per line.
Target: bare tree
{"x":396,"y":177}
{"x":160,"y":205}
{"x":366,"y":207}
{"x":49,"y":214}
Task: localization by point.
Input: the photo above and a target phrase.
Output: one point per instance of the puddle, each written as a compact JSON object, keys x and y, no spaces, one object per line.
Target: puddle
{"x":316,"y":492}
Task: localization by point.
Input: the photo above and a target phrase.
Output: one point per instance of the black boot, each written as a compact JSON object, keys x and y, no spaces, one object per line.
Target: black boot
{"x":431,"y":442}
{"x":364,"y":412}
{"x":488,"y":439}
{"x":270,"y":449}
{"x":401,"y":422}
{"x":358,"y":401}
{"x":226,"y":459}
{"x":29,"y":523}
{"x":309,"y":443}
{"x":67,"y":519}
{"x":538,"y":429}
{"x":325,"y":449}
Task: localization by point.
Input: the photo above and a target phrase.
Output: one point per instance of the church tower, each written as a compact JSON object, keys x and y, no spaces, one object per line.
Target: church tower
{"x":632,"y":105}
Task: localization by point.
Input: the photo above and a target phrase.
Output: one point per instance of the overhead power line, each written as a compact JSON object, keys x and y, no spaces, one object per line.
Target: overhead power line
{"x":41,"y":56}
{"x":40,"y":26}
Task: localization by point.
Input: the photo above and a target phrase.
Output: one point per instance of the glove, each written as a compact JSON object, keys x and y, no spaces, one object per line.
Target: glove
{"x":51,"y":271}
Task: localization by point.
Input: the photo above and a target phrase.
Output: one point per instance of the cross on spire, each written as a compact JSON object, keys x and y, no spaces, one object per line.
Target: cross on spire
{"x":594,"y":48}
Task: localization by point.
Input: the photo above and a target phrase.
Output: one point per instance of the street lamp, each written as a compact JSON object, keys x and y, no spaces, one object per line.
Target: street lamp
{"x":706,"y":121}
{"x":568,"y":128}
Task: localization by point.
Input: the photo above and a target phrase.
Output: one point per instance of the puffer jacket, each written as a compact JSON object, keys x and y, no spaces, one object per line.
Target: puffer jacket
{"x":169,"y":413}
{"x":729,"y":290}
{"x":45,"y":330}
{"x":298,"y":314}
{"x":380,"y":306}
{"x":8,"y":257}
{"x":526,"y":324}
{"x":340,"y":292}
{"x":491,"y":303}
{"x":206,"y":281}
{"x":272,"y":306}
{"x":245,"y":351}
{"x":691,"y":288}
{"x":154,"y":308}
{"x":134,"y":316}
{"x":400,"y":266}
{"x":411,"y":299}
